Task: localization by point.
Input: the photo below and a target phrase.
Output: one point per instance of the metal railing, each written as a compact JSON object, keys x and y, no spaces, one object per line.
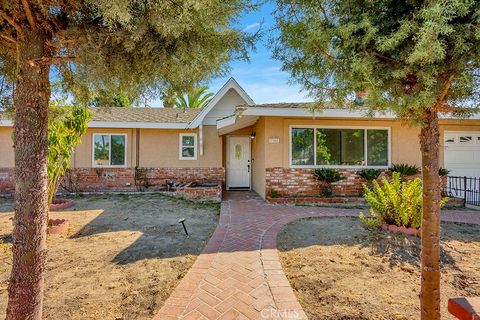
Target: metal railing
{"x":466,"y":188}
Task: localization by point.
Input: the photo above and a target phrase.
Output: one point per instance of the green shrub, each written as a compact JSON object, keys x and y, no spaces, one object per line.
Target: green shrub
{"x":273,"y":193}
{"x":369,"y":174}
{"x":405,"y":169}
{"x":397,"y":202}
{"x":442,"y":172}
{"x":327,"y":176}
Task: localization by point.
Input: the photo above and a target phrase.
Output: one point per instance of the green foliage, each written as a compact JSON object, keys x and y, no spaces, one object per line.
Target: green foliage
{"x":273,"y":193}
{"x":327,"y":176}
{"x":396,"y":56}
{"x":369,"y":174}
{"x":405,"y":169}
{"x":139,"y":48}
{"x":66,"y":126}
{"x":397,"y":202}
{"x":196,"y":98}
{"x":442,"y":172}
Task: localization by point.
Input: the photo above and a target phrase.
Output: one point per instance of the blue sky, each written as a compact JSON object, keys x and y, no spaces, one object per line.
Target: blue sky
{"x":262,"y":77}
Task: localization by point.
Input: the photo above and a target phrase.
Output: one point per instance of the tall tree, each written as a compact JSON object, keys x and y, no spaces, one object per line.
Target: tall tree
{"x":196,"y":98}
{"x":419,"y":59}
{"x":125,"y":45}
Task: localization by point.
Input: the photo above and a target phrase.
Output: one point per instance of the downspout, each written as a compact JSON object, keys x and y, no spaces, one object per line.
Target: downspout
{"x":137,"y":147}
{"x":200,"y":130}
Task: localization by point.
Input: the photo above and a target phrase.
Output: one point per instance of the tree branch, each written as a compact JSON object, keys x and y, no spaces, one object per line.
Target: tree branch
{"x":8,"y":38}
{"x":445,"y":89}
{"x":28,"y":13}
{"x":12,"y":22}
{"x":51,"y":60}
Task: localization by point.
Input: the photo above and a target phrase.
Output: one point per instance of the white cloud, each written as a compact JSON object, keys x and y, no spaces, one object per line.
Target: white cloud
{"x":251,"y":26}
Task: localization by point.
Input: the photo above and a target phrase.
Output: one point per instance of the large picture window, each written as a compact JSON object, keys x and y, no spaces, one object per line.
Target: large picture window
{"x":339,"y":147}
{"x":109,"y":150}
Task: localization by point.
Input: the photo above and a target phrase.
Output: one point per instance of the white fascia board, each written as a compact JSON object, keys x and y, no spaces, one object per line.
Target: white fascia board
{"x":122,"y":125}
{"x":230,"y":84}
{"x":6,"y":123}
{"x":222,"y":123}
{"x":475,"y":116}
{"x":331,"y":113}
{"x":301,"y":112}
{"x":134,"y":125}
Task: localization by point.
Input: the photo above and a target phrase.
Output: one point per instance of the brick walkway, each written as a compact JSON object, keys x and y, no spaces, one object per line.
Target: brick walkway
{"x":239,"y":275}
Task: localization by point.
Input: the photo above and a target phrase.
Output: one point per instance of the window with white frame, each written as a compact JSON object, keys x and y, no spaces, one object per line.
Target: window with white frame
{"x":322,"y":146}
{"x":188,"y":146}
{"x":109,"y":150}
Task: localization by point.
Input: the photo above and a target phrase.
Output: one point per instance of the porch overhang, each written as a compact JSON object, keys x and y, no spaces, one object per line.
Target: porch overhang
{"x":235,"y":122}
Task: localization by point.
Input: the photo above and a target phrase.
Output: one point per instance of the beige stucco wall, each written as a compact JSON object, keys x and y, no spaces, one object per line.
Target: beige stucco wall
{"x":405,"y":146}
{"x":277,"y":155}
{"x":160,"y":148}
{"x":6,"y":147}
{"x":258,"y":157}
{"x":82,"y":158}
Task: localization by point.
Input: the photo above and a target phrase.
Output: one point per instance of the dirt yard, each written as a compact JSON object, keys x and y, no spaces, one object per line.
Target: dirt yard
{"x":342,"y":271}
{"x":121,"y":258}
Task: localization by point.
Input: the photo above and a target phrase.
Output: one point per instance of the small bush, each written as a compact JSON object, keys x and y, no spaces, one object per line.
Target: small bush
{"x":327,"y":176}
{"x":405,"y":169}
{"x":273,"y":193}
{"x":442,"y":172}
{"x":369,"y":174}
{"x":397,"y":202}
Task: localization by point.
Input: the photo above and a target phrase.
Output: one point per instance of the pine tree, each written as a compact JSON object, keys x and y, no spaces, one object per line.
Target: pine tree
{"x":419,"y":59}
{"x":128,"y":46}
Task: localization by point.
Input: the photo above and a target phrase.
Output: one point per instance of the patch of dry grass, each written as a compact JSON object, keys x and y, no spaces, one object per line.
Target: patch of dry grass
{"x":343,"y":271}
{"x":121,"y":258}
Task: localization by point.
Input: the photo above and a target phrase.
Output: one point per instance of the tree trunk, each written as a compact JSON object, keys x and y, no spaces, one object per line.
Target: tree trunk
{"x":430,"y":282}
{"x":32,"y":96}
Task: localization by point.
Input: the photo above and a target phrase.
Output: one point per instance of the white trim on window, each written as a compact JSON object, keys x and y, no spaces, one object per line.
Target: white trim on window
{"x":180,"y":146}
{"x":109,"y":150}
{"x":365,"y":128}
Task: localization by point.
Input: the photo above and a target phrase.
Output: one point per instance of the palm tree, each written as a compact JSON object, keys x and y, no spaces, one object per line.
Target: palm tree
{"x":194,"y":99}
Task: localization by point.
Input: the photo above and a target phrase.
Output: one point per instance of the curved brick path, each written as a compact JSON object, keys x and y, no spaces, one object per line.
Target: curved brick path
{"x":238,"y":275}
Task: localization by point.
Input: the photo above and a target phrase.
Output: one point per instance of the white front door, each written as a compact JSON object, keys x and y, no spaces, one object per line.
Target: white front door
{"x":238,"y":162}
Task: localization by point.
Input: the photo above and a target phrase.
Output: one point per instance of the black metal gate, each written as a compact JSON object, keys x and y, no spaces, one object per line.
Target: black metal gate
{"x":467,"y":188}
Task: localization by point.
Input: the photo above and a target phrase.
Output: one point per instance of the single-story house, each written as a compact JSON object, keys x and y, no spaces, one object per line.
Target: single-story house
{"x":247,"y":146}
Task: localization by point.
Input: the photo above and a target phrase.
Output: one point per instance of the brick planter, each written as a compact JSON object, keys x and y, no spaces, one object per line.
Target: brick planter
{"x":61,"y":204}
{"x":57,"y":226}
{"x":316,"y":200}
{"x":204,"y":192}
{"x":405,"y":230}
{"x":465,"y":308}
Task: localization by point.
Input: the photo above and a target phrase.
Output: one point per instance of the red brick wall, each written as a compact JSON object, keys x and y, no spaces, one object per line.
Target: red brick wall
{"x":301,"y":182}
{"x":120,"y":179}
{"x":7,"y":181}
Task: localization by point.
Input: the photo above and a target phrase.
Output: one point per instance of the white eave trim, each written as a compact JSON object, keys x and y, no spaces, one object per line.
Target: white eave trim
{"x":225,"y":122}
{"x":230,"y":84}
{"x":302,"y":112}
{"x":121,"y":124}
{"x":6,"y":123}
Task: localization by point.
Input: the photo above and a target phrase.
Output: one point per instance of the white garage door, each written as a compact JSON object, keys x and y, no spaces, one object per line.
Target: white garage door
{"x":462,"y":153}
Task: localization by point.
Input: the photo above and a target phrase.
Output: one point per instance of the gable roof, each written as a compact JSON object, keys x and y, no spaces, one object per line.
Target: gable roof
{"x":230,"y":84}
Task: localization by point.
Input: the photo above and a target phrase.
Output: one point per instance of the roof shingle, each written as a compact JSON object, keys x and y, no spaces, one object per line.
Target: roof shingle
{"x":157,"y":115}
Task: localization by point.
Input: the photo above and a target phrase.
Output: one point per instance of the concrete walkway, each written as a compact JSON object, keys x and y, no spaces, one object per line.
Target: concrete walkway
{"x":239,"y":275}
